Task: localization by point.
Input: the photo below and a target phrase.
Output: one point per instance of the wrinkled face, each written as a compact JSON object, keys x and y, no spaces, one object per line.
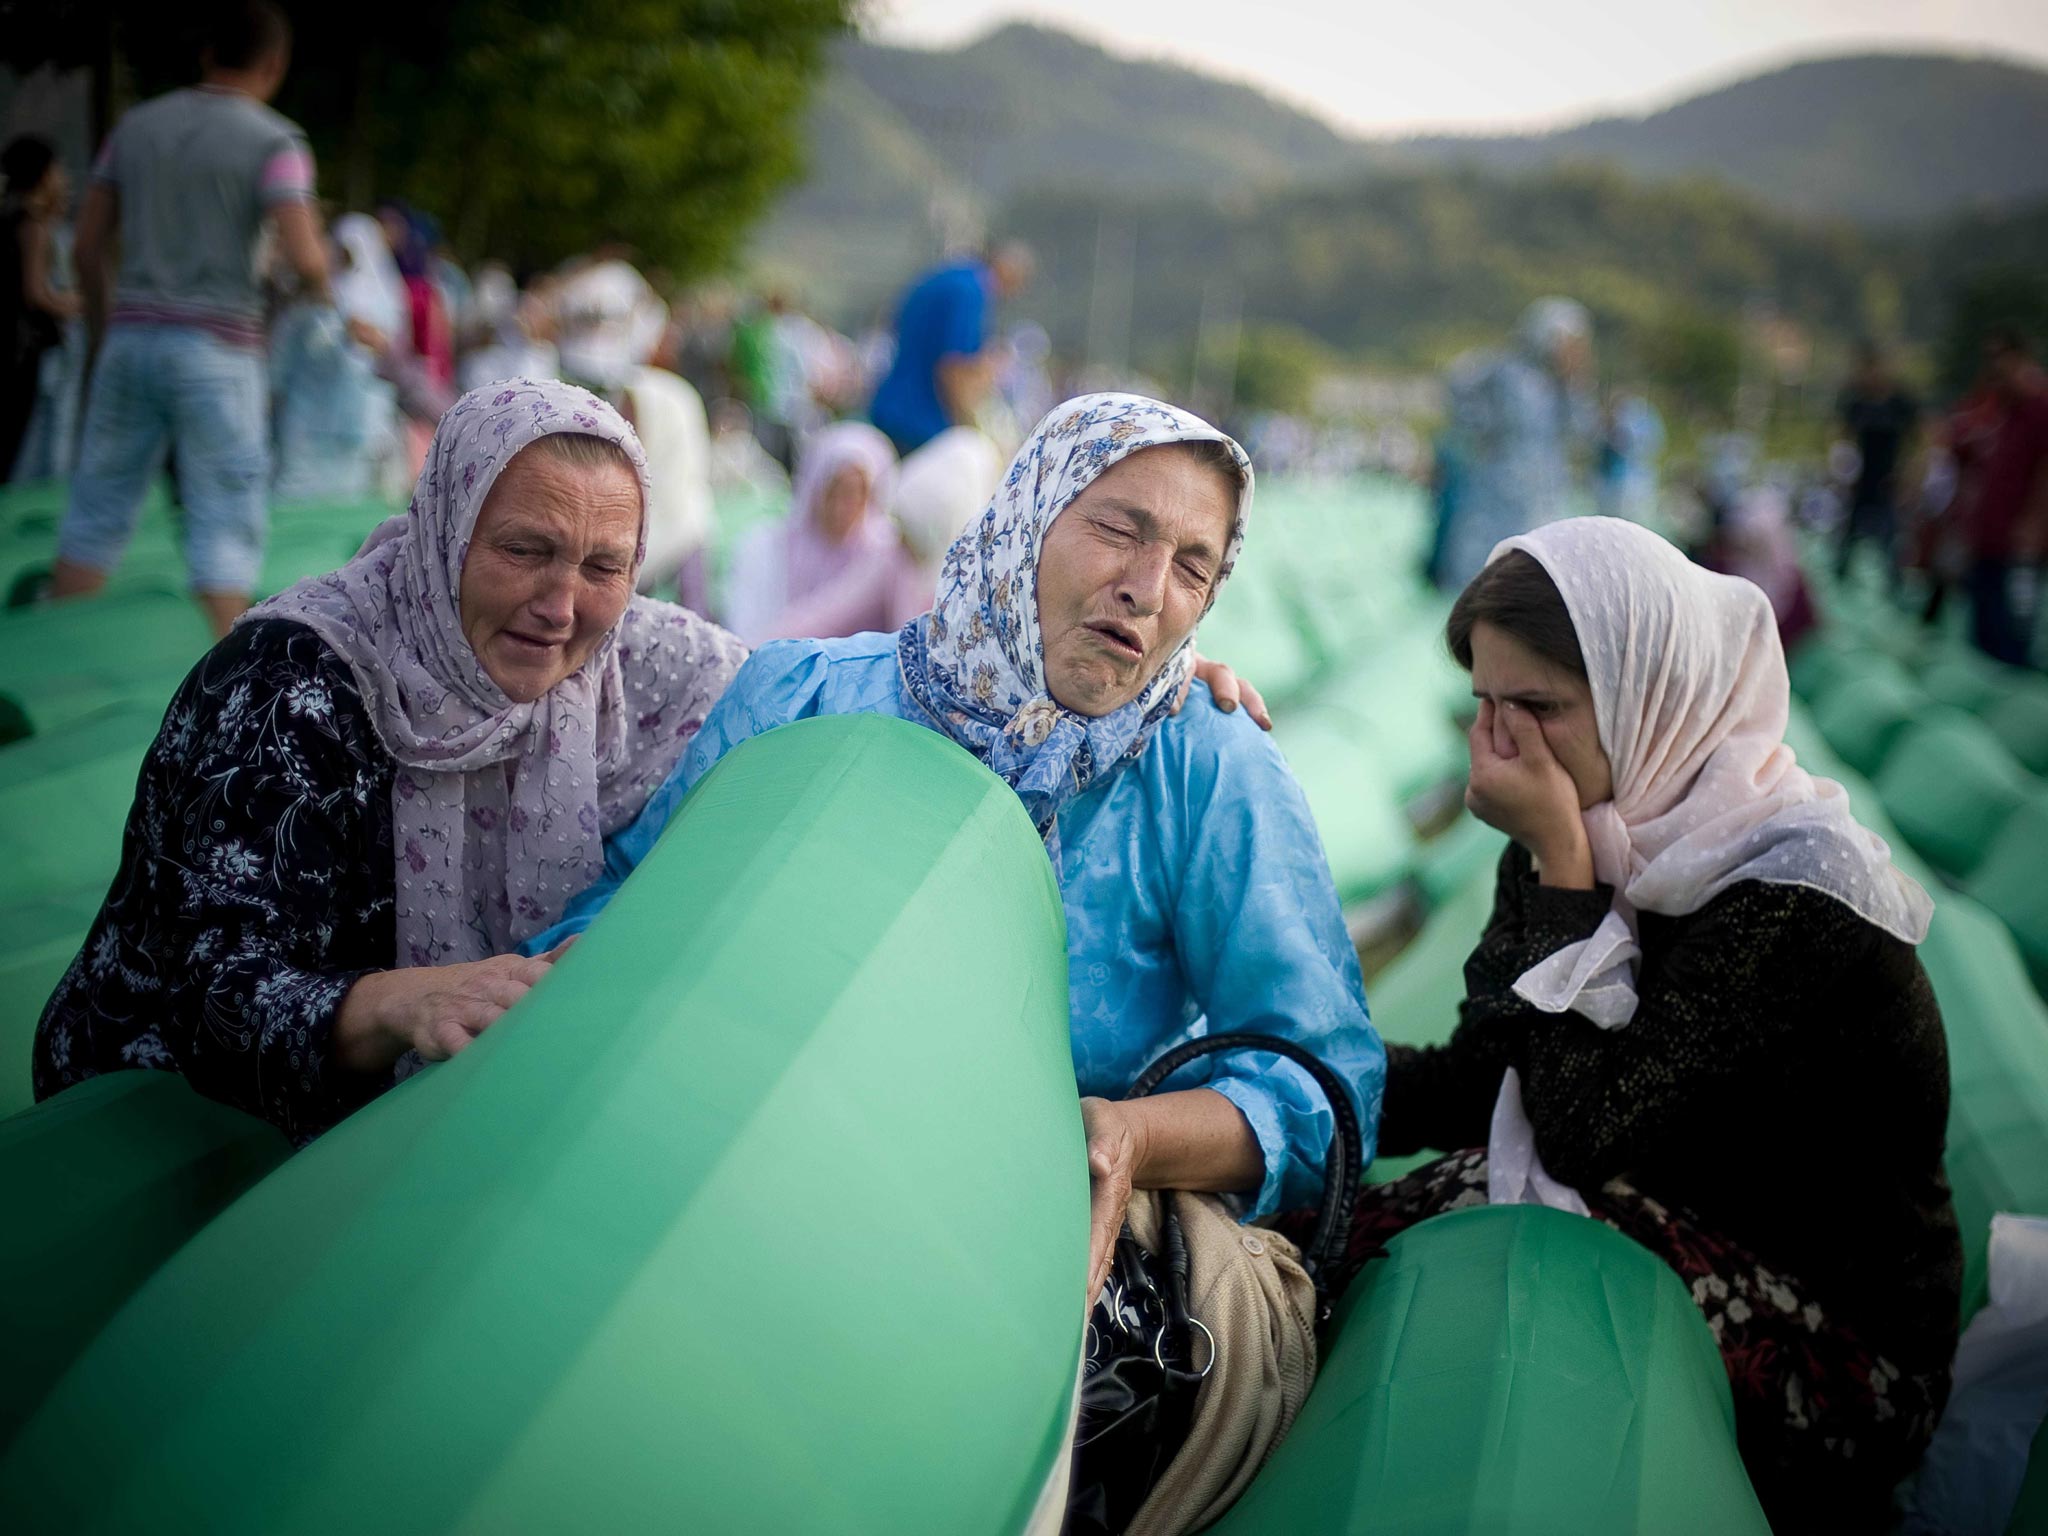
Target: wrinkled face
{"x":1505,"y":670}
{"x":1126,"y":572}
{"x":843,"y":503}
{"x":549,"y":570}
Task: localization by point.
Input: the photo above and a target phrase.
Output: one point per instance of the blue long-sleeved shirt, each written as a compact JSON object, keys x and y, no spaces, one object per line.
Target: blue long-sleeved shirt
{"x":1197,"y":896}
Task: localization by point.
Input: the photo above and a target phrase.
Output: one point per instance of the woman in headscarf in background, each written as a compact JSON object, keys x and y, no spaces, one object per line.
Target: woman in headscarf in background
{"x":836,"y":522}
{"x":386,"y":777}
{"x":334,"y":416}
{"x":34,"y":307}
{"x":1696,"y":1013}
{"x":669,"y":416}
{"x":938,"y":489}
{"x":1516,"y":416}
{"x":501,"y":342}
{"x":1195,"y":886}
{"x":432,"y":327}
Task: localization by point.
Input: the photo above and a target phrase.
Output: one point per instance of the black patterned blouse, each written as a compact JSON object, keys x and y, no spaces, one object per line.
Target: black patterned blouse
{"x":255,"y":887}
{"x":1784,"y":1079}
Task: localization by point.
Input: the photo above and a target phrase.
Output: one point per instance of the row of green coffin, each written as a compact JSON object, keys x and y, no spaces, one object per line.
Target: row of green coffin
{"x":767,"y":1211}
{"x":1453,"y":1361}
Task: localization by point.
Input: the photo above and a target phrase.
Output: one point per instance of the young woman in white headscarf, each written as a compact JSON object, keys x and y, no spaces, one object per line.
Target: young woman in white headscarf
{"x":1696,"y":1012}
{"x":385,"y":778}
{"x":1195,"y":886}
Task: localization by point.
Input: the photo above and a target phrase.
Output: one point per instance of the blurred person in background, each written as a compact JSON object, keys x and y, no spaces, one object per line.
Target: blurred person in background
{"x":739,"y":464}
{"x":185,"y":187}
{"x":431,"y":327}
{"x":669,"y":417}
{"x":500,"y":343}
{"x":700,"y":341}
{"x":939,"y":489}
{"x":2002,"y":503}
{"x":837,"y":522}
{"x":1515,"y":417}
{"x":943,"y":366}
{"x":1631,"y":439}
{"x":35,"y":307}
{"x":335,"y":415}
{"x":1755,"y":541}
{"x":1880,"y":417}
{"x":608,"y":320}
{"x":774,"y":354}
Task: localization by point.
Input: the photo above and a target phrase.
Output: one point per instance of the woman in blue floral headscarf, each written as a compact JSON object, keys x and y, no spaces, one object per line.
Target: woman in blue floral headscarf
{"x":1197,"y":894}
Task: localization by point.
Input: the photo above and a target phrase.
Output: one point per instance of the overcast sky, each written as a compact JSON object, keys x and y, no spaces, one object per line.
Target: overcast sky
{"x":1381,"y":66}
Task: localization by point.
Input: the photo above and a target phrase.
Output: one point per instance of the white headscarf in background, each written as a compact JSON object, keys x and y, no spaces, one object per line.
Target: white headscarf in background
{"x":669,"y":416}
{"x":370,"y":288}
{"x":941,"y":486}
{"x":1690,"y":696}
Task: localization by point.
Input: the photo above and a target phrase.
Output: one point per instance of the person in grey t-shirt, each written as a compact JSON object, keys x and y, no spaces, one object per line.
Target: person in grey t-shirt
{"x":186,"y":183}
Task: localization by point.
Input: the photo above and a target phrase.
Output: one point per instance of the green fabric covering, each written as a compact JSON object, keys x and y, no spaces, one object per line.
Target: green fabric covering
{"x":1250,"y":631}
{"x":2013,"y":882}
{"x":1820,"y":660}
{"x":64,"y":800}
{"x":1368,"y":841}
{"x":2019,"y":718}
{"x":1465,"y":851}
{"x":38,"y":939}
{"x":1949,"y":785}
{"x":1511,"y":1369}
{"x":1965,"y":678}
{"x":1998,"y":1077}
{"x":1862,"y":716}
{"x":753,"y":1216}
{"x":97,"y":1188}
{"x":147,"y":632}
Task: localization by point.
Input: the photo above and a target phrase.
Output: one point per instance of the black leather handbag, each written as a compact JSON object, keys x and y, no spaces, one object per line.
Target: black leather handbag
{"x":1147,"y":1356}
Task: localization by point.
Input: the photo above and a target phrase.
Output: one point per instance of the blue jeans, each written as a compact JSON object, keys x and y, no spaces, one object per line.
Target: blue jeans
{"x":181,"y":387}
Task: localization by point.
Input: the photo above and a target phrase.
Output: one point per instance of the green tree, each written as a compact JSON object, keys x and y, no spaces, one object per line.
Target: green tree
{"x":534,"y":128}
{"x":1277,"y":369}
{"x":2013,"y":298}
{"x":1695,"y":357}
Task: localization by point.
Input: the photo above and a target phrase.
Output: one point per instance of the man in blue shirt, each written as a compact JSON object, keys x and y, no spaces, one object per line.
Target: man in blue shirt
{"x":942,"y":366}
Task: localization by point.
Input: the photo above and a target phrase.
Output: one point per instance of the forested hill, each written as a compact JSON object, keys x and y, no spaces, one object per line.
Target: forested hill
{"x":1880,"y":138}
{"x":1786,"y":191}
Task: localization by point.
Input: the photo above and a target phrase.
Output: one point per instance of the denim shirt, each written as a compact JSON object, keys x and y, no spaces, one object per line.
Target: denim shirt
{"x":1197,"y":898}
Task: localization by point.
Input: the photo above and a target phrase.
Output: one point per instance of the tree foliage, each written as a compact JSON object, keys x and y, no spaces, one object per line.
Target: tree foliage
{"x":534,"y":128}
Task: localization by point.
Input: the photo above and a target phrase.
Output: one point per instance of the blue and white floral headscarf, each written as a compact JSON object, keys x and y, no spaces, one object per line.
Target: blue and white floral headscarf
{"x":976,"y":663}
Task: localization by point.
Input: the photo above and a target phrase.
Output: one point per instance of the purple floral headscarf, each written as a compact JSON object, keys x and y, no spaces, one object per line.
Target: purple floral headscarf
{"x":500,"y":809}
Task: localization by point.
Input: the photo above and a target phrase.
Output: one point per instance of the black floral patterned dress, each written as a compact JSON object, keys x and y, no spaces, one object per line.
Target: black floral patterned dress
{"x":1771,"y":1124}
{"x":255,"y":887}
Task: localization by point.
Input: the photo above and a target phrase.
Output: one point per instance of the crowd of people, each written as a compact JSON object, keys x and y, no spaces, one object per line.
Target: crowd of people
{"x":381,"y":806}
{"x":270,"y":355}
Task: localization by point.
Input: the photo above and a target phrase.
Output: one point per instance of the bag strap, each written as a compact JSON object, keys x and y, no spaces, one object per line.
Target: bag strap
{"x":1342,"y":1168}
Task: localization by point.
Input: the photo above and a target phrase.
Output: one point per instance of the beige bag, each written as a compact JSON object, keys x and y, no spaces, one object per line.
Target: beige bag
{"x":1248,"y":1288}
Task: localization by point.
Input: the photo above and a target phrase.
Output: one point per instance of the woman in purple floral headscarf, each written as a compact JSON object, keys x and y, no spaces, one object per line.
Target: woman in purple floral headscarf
{"x":387,"y":777}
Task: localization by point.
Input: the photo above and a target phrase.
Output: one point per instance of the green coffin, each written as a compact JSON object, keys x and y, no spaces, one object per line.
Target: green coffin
{"x":1512,"y":1370}
{"x":767,"y":1211}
